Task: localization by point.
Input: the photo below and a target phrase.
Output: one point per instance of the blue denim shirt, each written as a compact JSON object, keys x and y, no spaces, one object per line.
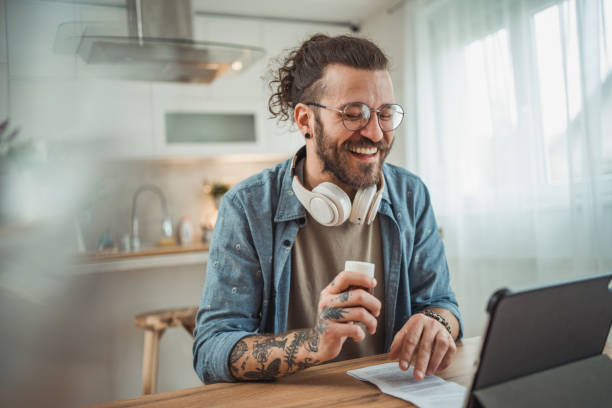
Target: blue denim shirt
{"x":249,"y":266}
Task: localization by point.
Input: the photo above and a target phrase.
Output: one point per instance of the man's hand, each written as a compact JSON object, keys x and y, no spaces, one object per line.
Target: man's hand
{"x":427,"y":342}
{"x":346,"y":300}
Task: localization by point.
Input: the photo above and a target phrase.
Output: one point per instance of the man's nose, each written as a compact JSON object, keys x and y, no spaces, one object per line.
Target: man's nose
{"x":372,"y":130}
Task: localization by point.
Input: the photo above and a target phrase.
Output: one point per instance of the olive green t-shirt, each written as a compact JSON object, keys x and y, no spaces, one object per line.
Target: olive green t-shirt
{"x":318,"y":255}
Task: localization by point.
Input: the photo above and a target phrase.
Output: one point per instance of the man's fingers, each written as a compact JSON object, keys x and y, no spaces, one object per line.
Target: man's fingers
{"x":425,"y":343}
{"x":424,"y":352}
{"x":353,"y":298}
{"x":441,"y":346}
{"x":448,"y":357}
{"x":408,"y":346}
{"x":346,"y":330}
{"x":345,"y":279}
{"x":396,"y":345}
{"x":350,"y":314}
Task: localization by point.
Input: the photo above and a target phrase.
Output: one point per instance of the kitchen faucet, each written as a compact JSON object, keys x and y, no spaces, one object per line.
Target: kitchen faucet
{"x":166,"y":223}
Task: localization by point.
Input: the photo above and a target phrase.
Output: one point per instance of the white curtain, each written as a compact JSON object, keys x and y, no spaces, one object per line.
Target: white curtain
{"x":513,"y":137}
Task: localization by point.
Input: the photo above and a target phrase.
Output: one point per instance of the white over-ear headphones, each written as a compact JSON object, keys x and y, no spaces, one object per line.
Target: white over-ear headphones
{"x":331,"y":206}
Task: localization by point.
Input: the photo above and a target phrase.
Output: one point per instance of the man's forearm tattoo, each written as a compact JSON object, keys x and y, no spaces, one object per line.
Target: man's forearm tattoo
{"x":312,"y":342}
{"x":292,"y":350}
{"x":262,"y":349}
{"x":237,"y":352}
{"x":268,"y":373}
{"x":307,"y":363}
{"x":243,"y":366}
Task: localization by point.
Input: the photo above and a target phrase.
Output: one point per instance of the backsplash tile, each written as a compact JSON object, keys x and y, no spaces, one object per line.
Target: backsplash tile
{"x":182,"y":181}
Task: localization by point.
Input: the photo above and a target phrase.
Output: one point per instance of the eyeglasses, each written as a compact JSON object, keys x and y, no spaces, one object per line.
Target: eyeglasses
{"x":356,"y":115}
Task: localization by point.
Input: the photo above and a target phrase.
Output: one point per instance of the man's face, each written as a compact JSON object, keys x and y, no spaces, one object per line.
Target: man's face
{"x":354,"y":158}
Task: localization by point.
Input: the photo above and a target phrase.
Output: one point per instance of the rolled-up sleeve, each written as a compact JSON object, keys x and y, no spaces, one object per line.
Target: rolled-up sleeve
{"x":429,"y":274}
{"x":232,"y":295}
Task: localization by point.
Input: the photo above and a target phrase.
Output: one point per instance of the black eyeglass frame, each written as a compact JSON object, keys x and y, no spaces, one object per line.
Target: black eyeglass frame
{"x":378,"y":111}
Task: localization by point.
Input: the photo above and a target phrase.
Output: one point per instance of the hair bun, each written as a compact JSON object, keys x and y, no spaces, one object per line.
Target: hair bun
{"x":297,"y":79}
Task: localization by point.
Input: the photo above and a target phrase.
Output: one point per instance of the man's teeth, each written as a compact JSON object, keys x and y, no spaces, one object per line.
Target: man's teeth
{"x":364,"y":150}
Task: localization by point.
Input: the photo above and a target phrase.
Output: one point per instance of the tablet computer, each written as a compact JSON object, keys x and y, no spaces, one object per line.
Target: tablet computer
{"x":543,"y":347}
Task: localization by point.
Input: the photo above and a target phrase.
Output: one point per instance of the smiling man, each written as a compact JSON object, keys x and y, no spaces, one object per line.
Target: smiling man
{"x":276,"y":298}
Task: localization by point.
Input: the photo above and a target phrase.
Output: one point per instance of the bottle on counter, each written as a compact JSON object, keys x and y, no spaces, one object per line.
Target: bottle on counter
{"x":185,"y":231}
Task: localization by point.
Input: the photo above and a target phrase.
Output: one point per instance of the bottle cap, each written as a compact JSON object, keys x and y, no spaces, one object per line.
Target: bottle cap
{"x":356,"y":266}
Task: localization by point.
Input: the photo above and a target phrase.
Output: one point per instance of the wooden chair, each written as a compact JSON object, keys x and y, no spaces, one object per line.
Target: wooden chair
{"x":155,"y":324}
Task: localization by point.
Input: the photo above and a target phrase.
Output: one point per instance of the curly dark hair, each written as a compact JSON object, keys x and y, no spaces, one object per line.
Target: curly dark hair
{"x":297,"y":79}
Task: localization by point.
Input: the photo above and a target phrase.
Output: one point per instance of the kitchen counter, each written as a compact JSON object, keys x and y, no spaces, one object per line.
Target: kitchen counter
{"x":155,"y":257}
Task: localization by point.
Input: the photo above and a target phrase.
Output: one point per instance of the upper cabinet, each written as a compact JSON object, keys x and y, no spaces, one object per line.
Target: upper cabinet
{"x":187,"y":122}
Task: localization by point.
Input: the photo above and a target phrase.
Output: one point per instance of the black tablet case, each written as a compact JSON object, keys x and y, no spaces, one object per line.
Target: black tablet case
{"x":543,"y":347}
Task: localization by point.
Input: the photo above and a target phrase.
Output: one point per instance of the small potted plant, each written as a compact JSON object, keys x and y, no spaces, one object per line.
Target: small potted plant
{"x":217,"y":190}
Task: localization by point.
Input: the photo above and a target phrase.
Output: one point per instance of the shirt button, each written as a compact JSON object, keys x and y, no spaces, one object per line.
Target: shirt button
{"x":286,"y":243}
{"x":302,"y":221}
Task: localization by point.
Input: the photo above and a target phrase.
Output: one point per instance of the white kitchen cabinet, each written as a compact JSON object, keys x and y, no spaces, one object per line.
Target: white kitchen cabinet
{"x":169,"y":99}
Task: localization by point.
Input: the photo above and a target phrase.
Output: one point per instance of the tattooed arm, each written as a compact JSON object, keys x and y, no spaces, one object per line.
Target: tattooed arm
{"x":269,"y":356}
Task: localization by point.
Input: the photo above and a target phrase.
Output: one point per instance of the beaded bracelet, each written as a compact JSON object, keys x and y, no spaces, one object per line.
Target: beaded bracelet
{"x":436,"y":316}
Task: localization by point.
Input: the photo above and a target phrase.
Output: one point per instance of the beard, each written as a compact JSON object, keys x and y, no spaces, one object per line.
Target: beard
{"x":335,"y":158}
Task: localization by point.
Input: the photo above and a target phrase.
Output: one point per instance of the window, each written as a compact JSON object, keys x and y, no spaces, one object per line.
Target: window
{"x":561,"y":95}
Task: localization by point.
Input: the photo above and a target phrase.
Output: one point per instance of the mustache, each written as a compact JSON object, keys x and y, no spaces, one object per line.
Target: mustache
{"x":365,"y":142}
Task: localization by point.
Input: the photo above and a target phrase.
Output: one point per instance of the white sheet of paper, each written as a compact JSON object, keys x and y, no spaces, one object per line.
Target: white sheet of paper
{"x":430,"y":392}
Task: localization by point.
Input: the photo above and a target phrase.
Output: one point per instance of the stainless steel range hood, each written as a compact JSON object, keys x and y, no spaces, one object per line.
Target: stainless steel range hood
{"x":156,"y":45}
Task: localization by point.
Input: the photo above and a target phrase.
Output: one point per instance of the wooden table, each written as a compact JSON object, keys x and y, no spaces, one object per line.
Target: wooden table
{"x":321,"y":386}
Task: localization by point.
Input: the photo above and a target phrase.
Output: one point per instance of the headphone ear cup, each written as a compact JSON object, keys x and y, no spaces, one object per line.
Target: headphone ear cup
{"x":338,"y":199}
{"x":317,"y":205}
{"x":361,"y":204}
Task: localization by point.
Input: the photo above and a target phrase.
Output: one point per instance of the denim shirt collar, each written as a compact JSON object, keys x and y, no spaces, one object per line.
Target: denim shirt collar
{"x":289,"y":207}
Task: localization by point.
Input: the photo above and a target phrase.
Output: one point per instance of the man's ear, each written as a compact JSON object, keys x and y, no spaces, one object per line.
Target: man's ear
{"x":302,"y":116}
